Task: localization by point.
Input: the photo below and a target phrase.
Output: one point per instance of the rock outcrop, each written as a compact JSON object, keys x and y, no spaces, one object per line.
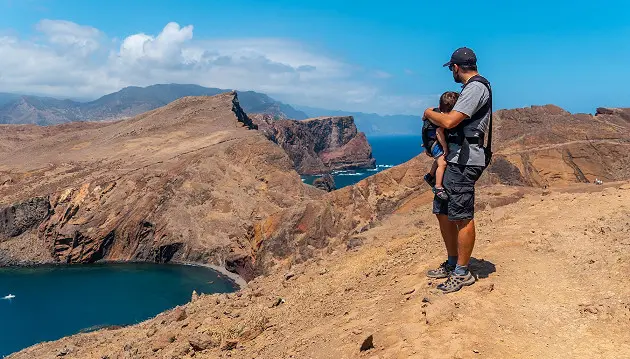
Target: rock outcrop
{"x":185,"y":182}
{"x":546,"y":146}
{"x":319,"y":145}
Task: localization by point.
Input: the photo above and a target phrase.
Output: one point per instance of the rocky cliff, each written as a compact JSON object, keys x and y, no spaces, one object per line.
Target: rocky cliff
{"x":319,"y":145}
{"x":185,"y":182}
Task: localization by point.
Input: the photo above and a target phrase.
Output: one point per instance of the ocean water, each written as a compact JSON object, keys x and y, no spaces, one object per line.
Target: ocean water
{"x":388,"y":152}
{"x":55,"y":301}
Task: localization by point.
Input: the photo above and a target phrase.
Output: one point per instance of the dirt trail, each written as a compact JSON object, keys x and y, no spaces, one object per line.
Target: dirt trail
{"x":610,"y":141}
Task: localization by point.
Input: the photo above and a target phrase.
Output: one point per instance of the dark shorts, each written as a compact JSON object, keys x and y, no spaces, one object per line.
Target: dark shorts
{"x":459,"y":183}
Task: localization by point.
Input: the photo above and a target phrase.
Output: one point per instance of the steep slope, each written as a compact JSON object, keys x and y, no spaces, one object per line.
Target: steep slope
{"x":128,"y":102}
{"x":184,"y":182}
{"x":319,"y":145}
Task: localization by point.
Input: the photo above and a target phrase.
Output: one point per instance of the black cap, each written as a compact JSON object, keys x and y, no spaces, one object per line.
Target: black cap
{"x":462,"y":56}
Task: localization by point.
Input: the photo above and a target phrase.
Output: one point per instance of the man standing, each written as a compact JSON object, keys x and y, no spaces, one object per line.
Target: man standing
{"x":467,"y":125}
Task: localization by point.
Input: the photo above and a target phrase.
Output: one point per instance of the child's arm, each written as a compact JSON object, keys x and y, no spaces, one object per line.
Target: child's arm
{"x":441,"y":137}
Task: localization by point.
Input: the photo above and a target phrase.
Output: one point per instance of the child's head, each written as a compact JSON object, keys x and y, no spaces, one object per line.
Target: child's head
{"x":447,"y":101}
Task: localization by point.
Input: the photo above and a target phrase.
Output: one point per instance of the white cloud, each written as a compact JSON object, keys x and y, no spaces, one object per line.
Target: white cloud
{"x":68,"y":35}
{"x":165,"y":49}
{"x":72,"y":60}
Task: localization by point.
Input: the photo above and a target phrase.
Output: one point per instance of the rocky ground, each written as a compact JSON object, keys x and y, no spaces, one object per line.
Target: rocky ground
{"x":331,"y":272}
{"x":550,"y":270}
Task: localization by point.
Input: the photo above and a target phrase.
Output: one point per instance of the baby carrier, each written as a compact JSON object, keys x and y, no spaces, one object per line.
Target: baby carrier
{"x":468,"y":132}
{"x":429,"y":137}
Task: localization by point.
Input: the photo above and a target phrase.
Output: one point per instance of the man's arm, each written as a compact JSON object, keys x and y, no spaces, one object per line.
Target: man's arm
{"x":446,"y":120}
{"x":472,"y":98}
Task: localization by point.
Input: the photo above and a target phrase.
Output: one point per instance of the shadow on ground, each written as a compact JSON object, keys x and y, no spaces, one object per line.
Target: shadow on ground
{"x":481,"y":268}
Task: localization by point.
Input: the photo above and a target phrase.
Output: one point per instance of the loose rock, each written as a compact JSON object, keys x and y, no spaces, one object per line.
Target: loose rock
{"x":368,"y":343}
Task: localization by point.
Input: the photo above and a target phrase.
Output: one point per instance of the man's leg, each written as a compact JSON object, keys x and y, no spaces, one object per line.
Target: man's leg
{"x":450,"y":234}
{"x":465,"y":241}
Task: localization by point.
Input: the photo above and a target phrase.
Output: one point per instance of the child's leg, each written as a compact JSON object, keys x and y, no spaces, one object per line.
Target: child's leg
{"x":440,"y":163}
{"x":434,"y":168}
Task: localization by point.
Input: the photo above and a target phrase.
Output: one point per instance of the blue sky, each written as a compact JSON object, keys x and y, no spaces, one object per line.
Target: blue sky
{"x":368,"y":56}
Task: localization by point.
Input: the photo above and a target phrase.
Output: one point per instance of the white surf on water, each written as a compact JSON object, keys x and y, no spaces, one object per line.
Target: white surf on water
{"x":349,"y":174}
{"x":354,"y":173}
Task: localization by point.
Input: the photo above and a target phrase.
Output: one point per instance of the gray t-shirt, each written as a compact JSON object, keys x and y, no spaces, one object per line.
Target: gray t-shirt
{"x":471,"y":99}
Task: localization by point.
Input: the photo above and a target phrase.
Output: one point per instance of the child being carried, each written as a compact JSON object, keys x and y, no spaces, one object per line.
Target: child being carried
{"x":434,"y":142}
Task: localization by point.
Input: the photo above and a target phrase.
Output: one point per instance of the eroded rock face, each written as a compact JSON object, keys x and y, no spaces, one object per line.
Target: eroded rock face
{"x":21,"y":217}
{"x":319,"y":145}
{"x":185,"y":182}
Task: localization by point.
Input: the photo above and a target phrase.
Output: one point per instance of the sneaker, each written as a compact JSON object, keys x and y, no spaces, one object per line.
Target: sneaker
{"x":430,"y":180}
{"x":443,"y":271}
{"x":455,"y":282}
{"x":440,"y":193}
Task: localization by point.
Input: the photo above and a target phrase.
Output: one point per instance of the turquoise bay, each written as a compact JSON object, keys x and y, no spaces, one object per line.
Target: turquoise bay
{"x":388,"y":151}
{"x":55,"y":301}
